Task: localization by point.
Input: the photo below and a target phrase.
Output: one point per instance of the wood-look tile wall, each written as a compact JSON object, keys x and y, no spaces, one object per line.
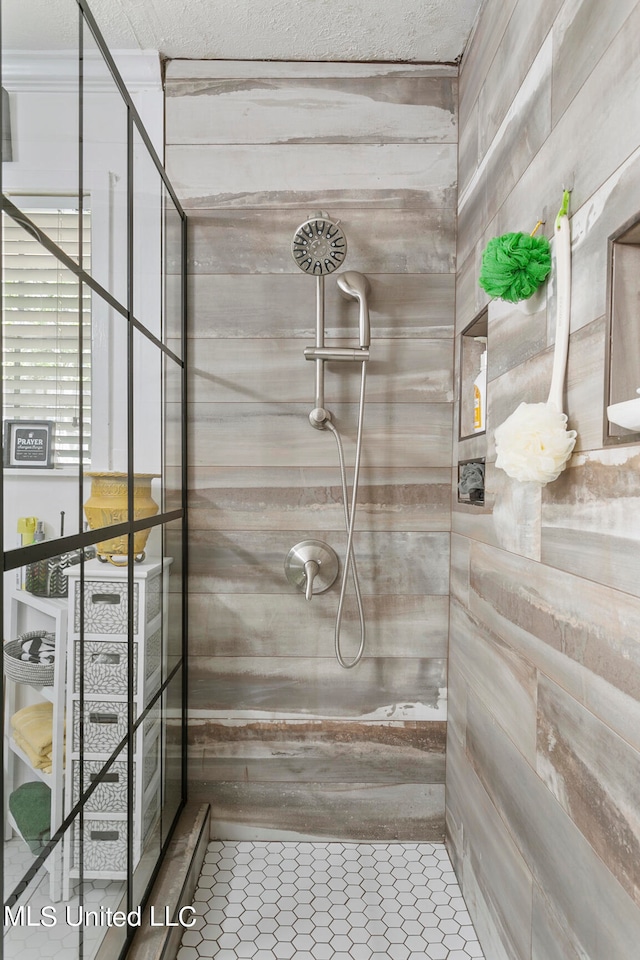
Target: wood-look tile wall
{"x":283,"y":741}
{"x":543,"y":751}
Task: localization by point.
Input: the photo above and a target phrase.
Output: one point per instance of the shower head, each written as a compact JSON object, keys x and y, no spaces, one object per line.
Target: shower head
{"x":319,"y":246}
{"x":355,"y":286}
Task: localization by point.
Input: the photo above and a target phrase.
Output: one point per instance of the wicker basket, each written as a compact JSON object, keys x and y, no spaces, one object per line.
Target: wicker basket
{"x":37,"y":674}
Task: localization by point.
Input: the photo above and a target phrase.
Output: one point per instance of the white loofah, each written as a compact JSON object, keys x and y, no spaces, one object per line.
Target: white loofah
{"x":534,"y":443}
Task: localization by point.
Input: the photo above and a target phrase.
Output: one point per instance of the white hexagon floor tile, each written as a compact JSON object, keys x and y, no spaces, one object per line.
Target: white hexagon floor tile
{"x":60,"y":939}
{"x":329,"y":901}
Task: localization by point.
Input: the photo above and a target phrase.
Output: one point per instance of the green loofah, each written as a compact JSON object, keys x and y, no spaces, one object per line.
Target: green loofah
{"x":514,"y":265}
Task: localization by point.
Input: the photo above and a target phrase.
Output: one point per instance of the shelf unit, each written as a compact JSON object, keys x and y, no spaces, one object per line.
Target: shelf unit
{"x":51,"y":613}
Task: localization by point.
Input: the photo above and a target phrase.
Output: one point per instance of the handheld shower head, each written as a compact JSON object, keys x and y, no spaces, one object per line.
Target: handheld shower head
{"x":355,"y":286}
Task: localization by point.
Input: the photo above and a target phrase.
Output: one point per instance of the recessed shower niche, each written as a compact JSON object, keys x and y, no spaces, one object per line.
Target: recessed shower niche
{"x":622,"y":369}
{"x":473,"y":377}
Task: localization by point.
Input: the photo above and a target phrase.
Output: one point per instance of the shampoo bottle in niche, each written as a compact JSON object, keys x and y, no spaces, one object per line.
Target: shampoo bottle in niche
{"x":480,"y":395}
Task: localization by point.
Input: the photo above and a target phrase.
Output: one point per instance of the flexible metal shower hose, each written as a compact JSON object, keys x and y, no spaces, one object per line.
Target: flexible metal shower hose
{"x":350,"y":519}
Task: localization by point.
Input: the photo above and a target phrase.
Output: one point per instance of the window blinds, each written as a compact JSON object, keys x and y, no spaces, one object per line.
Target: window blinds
{"x":46,"y":330}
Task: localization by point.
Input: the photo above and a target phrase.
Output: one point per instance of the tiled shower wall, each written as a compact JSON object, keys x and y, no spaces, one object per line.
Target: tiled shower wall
{"x":284,"y":742}
{"x":543,"y":760}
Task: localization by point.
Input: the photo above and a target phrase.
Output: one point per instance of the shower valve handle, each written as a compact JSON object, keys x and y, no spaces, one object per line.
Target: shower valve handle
{"x":311,"y":568}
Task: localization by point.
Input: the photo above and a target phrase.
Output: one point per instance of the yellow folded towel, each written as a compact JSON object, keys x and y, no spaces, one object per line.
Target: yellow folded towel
{"x":32,"y":730}
{"x":34,"y":726}
{"x":38,"y":761}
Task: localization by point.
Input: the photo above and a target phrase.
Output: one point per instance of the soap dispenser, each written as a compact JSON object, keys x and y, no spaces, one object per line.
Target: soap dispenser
{"x":480,"y":395}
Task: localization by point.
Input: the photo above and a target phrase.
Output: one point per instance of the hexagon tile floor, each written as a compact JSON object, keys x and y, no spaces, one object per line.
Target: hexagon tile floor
{"x":329,"y":901}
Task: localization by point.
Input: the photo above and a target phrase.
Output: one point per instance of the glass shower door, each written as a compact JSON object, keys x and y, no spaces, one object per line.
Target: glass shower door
{"x":93,"y":493}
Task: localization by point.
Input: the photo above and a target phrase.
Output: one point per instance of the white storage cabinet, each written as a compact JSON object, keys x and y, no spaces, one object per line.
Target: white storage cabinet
{"x":105,"y":667}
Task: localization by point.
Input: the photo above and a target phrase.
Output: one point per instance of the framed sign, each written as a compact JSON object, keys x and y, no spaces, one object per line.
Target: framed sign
{"x":27,"y":443}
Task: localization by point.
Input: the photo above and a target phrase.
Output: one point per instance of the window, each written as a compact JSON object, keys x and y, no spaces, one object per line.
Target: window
{"x":45,"y":313}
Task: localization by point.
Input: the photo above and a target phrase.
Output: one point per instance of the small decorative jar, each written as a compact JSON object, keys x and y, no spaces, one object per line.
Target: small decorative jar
{"x":109,"y":504}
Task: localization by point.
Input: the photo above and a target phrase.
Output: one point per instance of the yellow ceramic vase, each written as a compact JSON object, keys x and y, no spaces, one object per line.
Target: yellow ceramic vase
{"x":108,"y":504}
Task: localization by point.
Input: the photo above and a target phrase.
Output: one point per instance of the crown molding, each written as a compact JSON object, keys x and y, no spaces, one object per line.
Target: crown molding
{"x":44,"y":71}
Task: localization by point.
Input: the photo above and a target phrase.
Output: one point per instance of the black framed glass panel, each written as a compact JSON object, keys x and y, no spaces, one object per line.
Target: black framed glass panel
{"x":172,"y":275}
{"x":148,"y":240}
{"x":104,"y":171}
{"x":149,"y":772}
{"x":41,"y":76}
{"x":147,"y":425}
{"x":174,"y":604}
{"x":105,"y":475}
{"x":172,"y":433}
{"x":173,"y":751}
{"x":33,"y":899}
{"x":93,"y":599}
{"x":46,"y":385}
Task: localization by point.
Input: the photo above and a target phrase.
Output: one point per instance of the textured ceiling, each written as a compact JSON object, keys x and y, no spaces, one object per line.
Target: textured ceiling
{"x":395,"y":30}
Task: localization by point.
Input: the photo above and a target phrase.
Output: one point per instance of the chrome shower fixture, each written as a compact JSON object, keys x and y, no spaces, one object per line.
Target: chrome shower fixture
{"x":355,"y":286}
{"x":311,"y":566}
{"x":352,"y":286}
{"x":319,"y":246}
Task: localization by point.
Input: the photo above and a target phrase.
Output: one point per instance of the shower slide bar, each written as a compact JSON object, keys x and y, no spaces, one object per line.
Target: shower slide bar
{"x":352,"y":286}
{"x":319,"y":247}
